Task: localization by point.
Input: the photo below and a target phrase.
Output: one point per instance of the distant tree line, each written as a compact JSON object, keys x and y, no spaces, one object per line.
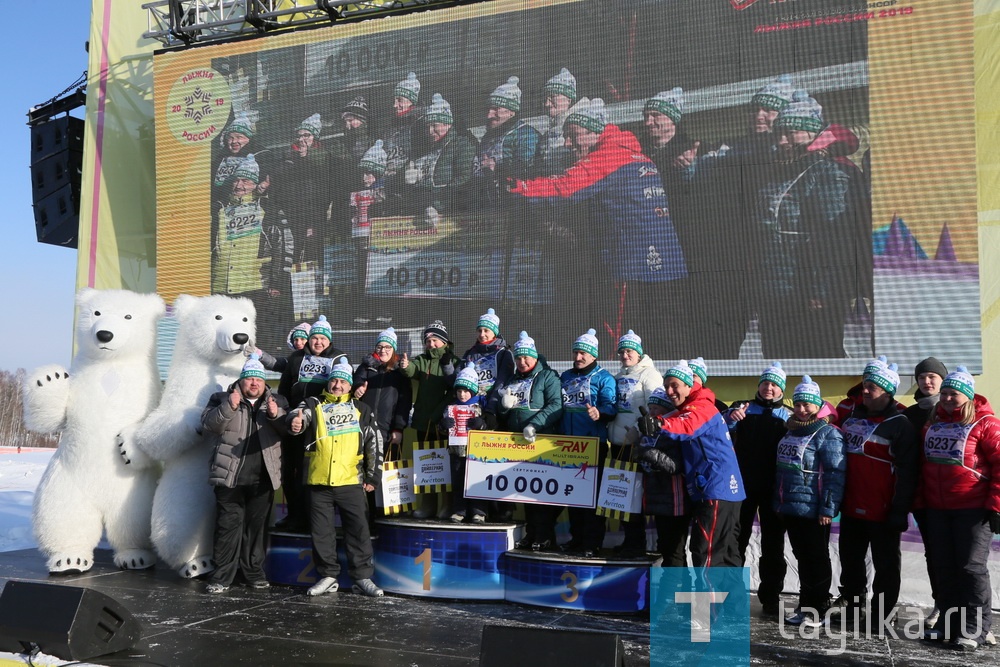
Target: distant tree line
{"x":12,"y":430}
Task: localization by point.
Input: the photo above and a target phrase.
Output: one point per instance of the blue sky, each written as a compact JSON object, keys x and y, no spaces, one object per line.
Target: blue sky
{"x":37,"y":323}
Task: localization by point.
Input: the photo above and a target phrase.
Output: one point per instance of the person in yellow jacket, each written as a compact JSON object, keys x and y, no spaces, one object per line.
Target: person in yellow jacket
{"x":252,"y":250}
{"x":343,"y":462}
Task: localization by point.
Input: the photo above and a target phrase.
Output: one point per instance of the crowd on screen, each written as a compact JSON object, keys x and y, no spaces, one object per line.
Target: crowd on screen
{"x":650,"y":221}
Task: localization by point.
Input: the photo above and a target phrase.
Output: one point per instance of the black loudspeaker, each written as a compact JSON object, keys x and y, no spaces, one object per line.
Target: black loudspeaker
{"x":504,"y":646}
{"x":56,"y":172}
{"x":67,"y":622}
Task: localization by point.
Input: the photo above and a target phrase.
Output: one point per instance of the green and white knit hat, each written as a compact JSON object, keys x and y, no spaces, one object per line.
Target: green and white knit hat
{"x":588,"y":114}
{"x":774,"y":373}
{"x":374,"y":159}
{"x":342,"y":369}
{"x":807,"y":391}
{"x":682,"y":371}
{"x":253,"y":368}
{"x":775,"y":95}
{"x":525,"y":346}
{"x":961,"y":380}
{"x":802,"y":113}
{"x":879,"y":362}
{"x":507,"y":95}
{"x":669,"y":102}
{"x":659,"y":397}
{"x":313,"y":125}
{"x":388,"y":337}
{"x":562,"y":83}
{"x":242,"y":125}
{"x":322,"y":328}
{"x":468,"y":378}
{"x":489,"y":321}
{"x":439,"y":111}
{"x":700,"y":368}
{"x":630,"y":341}
{"x":408,"y":88}
{"x":885,"y":377}
{"x":587,"y":343}
{"x":248,"y":168}
{"x":299,"y":331}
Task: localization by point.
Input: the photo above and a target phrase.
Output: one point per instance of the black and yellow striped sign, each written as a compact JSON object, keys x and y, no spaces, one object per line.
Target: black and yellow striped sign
{"x":616,"y":486}
{"x":431,"y":461}
{"x":397,"y":487}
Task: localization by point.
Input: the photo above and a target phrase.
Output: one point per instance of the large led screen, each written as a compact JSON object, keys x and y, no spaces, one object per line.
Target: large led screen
{"x":741,"y":180}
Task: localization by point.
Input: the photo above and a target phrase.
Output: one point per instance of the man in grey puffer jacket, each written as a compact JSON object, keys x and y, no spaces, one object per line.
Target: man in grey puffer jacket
{"x":247,"y":422}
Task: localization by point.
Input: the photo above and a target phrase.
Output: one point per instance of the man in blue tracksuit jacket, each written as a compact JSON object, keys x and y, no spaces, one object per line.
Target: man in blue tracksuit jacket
{"x":589,"y":393}
{"x":711,"y":472}
{"x":640,"y":262}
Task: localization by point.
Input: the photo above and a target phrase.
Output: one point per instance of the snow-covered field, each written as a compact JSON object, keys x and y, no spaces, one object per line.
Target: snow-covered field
{"x":19,"y":475}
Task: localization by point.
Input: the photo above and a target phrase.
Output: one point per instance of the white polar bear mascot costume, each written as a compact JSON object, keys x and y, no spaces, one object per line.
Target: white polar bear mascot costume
{"x":113,"y":383}
{"x":213,"y":334}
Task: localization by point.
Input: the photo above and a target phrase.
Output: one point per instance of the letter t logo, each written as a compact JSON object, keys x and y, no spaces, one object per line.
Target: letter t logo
{"x":701,"y":612}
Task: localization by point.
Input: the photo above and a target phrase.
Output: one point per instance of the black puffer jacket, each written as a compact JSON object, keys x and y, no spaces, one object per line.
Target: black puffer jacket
{"x":244,"y":438}
{"x":921,"y":411}
{"x":663,"y":483}
{"x":296,"y":391}
{"x":389,"y":393}
{"x":755,"y":439}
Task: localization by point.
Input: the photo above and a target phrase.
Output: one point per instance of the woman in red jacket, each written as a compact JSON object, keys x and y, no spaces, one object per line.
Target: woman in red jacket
{"x":961,"y":493}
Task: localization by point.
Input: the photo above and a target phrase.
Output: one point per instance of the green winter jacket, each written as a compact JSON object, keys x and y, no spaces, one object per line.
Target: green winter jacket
{"x":544,"y":410}
{"x":432,"y":385}
{"x":452,"y":171}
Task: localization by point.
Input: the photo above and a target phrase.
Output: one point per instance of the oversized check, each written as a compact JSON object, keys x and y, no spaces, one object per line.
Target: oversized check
{"x":552,"y":470}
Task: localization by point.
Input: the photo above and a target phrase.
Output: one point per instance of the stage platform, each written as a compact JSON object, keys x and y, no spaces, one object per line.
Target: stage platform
{"x":182,"y":626}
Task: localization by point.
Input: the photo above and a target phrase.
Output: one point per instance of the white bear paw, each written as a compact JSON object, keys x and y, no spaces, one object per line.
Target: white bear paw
{"x":50,"y":379}
{"x":46,"y":391}
{"x":70,"y":563}
{"x":196,"y":567}
{"x":130,"y":453}
{"x":135,"y":559}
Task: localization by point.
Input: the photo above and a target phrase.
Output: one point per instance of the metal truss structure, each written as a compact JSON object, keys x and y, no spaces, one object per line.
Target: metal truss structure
{"x":185,"y":22}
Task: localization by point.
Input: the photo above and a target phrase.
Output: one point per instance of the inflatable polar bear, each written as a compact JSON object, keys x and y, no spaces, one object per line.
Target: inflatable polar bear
{"x":113,"y":383}
{"x":213,"y":334}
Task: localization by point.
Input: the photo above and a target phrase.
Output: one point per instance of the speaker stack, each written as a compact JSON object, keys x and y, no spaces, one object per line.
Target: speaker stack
{"x":67,"y":622}
{"x":56,"y":164}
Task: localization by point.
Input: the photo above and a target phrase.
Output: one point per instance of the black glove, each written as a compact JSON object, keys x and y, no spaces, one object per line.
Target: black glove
{"x":994,"y":518}
{"x":490,"y":420}
{"x":477,"y":424}
{"x":648,"y":424}
{"x":653,"y":460}
{"x":445,"y":424}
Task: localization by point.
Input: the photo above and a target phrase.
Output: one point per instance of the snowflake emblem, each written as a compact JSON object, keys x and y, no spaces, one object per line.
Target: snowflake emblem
{"x":198,"y":105}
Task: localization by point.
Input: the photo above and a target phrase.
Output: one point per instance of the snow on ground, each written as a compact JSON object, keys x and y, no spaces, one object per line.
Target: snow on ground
{"x":19,"y":475}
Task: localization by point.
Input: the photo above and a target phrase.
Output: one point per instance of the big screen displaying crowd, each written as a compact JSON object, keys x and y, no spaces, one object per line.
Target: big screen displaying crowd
{"x":665,"y":167}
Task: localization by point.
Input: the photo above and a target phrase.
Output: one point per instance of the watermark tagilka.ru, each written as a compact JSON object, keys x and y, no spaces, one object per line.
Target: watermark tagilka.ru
{"x":859,"y":622}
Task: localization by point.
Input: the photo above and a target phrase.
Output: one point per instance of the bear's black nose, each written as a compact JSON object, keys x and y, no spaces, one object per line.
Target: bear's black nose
{"x":105,"y":336}
{"x":241,"y":338}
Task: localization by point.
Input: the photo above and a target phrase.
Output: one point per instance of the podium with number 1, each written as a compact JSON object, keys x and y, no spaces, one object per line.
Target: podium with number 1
{"x":434,"y":559}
